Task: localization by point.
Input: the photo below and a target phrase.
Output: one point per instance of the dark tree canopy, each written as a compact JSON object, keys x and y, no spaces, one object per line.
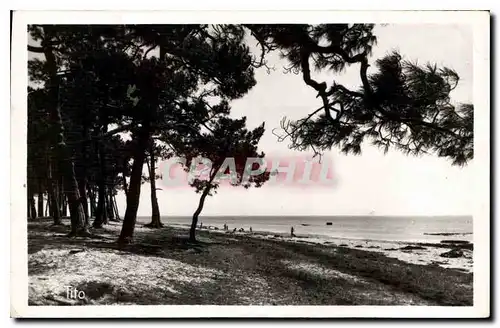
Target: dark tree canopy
{"x":399,"y":104}
{"x":228,"y":145}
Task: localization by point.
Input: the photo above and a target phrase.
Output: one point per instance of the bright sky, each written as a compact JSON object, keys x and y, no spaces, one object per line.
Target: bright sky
{"x":391,"y":184}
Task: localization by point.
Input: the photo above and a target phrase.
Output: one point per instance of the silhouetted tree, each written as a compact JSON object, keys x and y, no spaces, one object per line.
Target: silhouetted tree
{"x":196,"y":65}
{"x":228,"y":145}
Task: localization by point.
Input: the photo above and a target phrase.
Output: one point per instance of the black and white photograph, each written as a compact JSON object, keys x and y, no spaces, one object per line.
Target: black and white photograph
{"x":293,"y":165}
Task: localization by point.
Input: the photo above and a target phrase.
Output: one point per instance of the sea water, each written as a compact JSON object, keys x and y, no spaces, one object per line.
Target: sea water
{"x":390,"y":228}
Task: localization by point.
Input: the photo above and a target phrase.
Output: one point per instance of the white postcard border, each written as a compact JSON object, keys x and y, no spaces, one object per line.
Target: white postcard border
{"x":479,"y":21}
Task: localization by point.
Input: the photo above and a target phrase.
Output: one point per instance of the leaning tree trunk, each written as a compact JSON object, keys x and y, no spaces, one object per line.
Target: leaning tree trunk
{"x":206,"y":191}
{"x":65,"y":163}
{"x":134,"y":188}
{"x":155,"y":215}
{"x":192,"y":231}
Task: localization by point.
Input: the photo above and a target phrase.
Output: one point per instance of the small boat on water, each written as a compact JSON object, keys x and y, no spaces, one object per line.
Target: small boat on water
{"x":328,"y":223}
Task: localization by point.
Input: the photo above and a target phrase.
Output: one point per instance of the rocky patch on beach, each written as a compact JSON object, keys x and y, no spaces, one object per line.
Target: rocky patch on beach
{"x":463,"y":244}
{"x":447,"y":233}
{"x":412,"y":248}
{"x":454,"y":253}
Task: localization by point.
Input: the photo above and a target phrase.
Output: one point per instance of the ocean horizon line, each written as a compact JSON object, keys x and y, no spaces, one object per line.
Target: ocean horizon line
{"x":325,"y":216}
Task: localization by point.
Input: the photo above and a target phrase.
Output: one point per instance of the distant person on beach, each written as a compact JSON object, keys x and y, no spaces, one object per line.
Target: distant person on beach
{"x":251,"y":229}
{"x":234,"y":230}
{"x":201,"y":225}
{"x":292,"y":232}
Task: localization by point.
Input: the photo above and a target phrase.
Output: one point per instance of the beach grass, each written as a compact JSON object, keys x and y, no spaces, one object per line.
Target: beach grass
{"x":162,"y":267}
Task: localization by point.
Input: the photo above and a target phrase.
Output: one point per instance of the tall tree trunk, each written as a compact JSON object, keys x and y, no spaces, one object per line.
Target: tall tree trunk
{"x":60,"y":200}
{"x":82,"y":188}
{"x":134,"y":189}
{"x":31,"y":205}
{"x":54,"y":206}
{"x":101,"y":211}
{"x":52,"y":195}
{"x":40,"y":197}
{"x":81,"y":177}
{"x":49,"y":203}
{"x":82,"y":167}
{"x":101,"y":217}
{"x":111,"y":206}
{"x":40,"y":203}
{"x":66,"y":165}
{"x":64,"y":206}
{"x":92,"y":202}
{"x":155,"y":210}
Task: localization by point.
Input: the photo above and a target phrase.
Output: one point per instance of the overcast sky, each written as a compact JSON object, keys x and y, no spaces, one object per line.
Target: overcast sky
{"x":391,"y":184}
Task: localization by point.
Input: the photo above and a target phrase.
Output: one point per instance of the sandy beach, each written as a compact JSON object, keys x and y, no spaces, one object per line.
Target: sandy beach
{"x":410,"y":252}
{"x":162,"y":267}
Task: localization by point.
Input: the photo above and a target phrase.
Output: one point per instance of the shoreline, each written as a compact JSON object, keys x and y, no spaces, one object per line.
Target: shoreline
{"x":163,"y":267}
{"x":414,"y":252}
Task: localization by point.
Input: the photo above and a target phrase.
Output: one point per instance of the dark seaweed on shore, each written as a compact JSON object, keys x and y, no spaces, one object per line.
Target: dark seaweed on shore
{"x":447,"y":233}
